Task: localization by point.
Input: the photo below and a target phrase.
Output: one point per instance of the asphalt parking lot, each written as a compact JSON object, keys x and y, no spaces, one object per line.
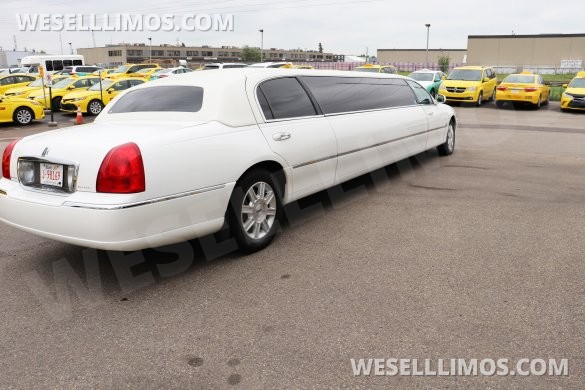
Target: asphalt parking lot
{"x":477,"y":255}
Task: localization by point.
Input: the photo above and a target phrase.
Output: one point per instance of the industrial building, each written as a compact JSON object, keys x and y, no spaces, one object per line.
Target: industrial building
{"x":11,"y":58}
{"x":390,"y":56}
{"x":117,"y":54}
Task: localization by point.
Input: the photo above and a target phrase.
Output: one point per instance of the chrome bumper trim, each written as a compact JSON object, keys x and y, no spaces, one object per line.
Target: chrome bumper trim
{"x":145,"y":202}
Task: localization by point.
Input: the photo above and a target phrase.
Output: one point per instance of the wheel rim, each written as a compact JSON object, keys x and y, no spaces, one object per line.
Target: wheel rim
{"x":258,"y":210}
{"x":23,"y":116}
{"x":450,"y":138}
{"x":95,"y":107}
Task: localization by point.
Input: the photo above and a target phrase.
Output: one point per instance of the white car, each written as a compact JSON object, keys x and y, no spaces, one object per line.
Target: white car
{"x":171,"y":160}
{"x":270,"y":64}
{"x":162,"y":73}
{"x":430,"y":79}
{"x":234,"y":65}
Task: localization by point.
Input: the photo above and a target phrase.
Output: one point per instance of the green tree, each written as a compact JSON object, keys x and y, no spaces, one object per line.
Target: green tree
{"x":320,"y":48}
{"x":250,"y":54}
{"x":444,"y":61}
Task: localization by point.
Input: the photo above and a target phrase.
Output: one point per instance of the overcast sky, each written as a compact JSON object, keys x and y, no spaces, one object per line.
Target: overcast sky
{"x":343,"y":26}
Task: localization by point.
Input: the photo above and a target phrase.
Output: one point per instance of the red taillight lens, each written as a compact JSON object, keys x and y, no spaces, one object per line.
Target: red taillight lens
{"x":502,"y":88}
{"x":530,"y":89}
{"x":6,"y":157}
{"x":122,"y":171}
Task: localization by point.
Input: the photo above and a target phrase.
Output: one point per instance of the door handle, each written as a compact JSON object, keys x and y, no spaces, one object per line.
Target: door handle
{"x":431,"y":113}
{"x":283,"y":136}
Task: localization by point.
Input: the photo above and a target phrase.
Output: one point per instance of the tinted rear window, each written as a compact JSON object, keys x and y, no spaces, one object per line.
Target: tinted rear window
{"x":164,"y":98}
{"x":347,"y":94}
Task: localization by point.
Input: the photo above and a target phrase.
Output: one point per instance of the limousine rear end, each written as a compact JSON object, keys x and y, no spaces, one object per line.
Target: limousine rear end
{"x":174,"y":159}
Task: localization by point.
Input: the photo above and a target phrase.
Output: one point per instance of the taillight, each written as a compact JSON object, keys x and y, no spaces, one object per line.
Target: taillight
{"x":122,"y":171}
{"x":6,"y":157}
{"x":531,"y":89}
{"x":502,"y":88}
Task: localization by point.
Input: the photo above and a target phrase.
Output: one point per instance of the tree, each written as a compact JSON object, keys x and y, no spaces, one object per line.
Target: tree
{"x":320,"y":48}
{"x":250,"y":54}
{"x":444,"y":63}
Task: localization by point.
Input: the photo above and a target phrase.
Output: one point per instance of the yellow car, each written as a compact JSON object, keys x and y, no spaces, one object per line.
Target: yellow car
{"x":573,"y":98}
{"x":291,"y":66}
{"x":62,"y":88}
{"x":14,"y":80}
{"x":23,"y":92}
{"x":377,"y":69}
{"x":525,"y":87}
{"x":471,"y":84}
{"x":93,"y":101}
{"x":144,"y":73}
{"x":129,"y":69}
{"x":19,"y":110}
{"x":103,"y":72}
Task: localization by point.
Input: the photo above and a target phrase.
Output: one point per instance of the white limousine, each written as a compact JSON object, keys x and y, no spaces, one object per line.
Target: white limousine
{"x":173,"y":159}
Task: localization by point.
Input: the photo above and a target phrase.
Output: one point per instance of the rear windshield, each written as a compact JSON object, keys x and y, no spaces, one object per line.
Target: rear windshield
{"x":163,"y":98}
{"x":519,"y":79}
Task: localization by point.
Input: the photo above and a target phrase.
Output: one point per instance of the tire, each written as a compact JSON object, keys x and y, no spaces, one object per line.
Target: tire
{"x":23,"y":116}
{"x":499,"y":104}
{"x":493,"y":98}
{"x":547,"y":99}
{"x":479,"y":99}
{"x":538,"y":103}
{"x":447,"y":148}
{"x":56,"y":103}
{"x":94,"y":107}
{"x":255,"y":226}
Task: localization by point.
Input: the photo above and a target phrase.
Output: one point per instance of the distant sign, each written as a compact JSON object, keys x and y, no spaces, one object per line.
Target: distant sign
{"x":572,"y":64}
{"x":48,"y":80}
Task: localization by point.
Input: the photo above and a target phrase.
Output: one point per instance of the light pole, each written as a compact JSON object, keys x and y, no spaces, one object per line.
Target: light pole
{"x":261,"y":45}
{"x":427,"y":54}
{"x":70,"y":48}
{"x":150,"y":50}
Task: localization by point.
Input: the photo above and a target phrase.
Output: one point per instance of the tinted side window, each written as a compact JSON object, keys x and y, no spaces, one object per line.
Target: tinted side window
{"x":347,"y":94}
{"x":287,"y":98}
{"x":77,"y":62}
{"x":422,"y":96}
{"x":49,"y":65}
{"x":67,"y":63}
{"x":163,"y":98}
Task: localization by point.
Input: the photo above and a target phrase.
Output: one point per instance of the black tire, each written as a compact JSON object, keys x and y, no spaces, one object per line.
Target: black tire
{"x":257,"y":239}
{"x":538,"y":103}
{"x":92,"y":107}
{"x":23,"y":116}
{"x":56,"y":103}
{"x":447,"y":148}
{"x":493,"y":97}
{"x":479,"y":99}
{"x":499,"y":104}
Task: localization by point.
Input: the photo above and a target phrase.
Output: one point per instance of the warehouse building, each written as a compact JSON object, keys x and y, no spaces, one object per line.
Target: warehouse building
{"x":546,"y":53}
{"x":389,"y":56}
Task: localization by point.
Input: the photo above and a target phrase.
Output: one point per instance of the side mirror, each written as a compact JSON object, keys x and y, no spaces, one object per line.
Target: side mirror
{"x":71,"y":87}
{"x":487,"y":79}
{"x":441,"y":98}
{"x":565,"y":86}
{"x":110,"y":90}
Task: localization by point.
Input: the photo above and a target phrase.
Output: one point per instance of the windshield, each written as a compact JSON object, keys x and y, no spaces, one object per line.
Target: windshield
{"x":519,"y":79}
{"x":105,"y":84}
{"x":369,"y":70}
{"x":63,"y":83}
{"x":36,"y":83}
{"x":121,"y":69}
{"x":422,"y":76}
{"x":465,"y":75}
{"x":577,"y":83}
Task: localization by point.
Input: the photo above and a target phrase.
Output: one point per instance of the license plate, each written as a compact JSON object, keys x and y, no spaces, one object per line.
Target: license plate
{"x":51,"y":175}
{"x":515,"y":91}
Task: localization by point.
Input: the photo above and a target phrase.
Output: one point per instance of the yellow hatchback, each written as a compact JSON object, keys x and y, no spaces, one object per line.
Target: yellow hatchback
{"x":21,"y":111}
{"x":523,"y":88}
{"x":14,"y":80}
{"x":129,"y":69}
{"x":370,"y":68}
{"x":24,"y":92}
{"x":93,"y":100}
{"x":62,"y":88}
{"x":573,"y":97}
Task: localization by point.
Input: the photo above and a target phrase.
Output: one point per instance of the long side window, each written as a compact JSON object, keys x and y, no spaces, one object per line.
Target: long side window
{"x":348,"y":94}
{"x":422,"y":96}
{"x":284,"y":98}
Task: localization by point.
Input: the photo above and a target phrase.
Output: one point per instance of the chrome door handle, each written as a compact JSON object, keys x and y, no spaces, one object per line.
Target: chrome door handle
{"x":281,"y":136}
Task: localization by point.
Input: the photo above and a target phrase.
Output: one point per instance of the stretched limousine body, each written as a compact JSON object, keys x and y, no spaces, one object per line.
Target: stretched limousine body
{"x":170,"y":160}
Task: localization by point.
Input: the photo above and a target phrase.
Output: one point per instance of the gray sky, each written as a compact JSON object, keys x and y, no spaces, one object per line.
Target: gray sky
{"x":343,"y":26}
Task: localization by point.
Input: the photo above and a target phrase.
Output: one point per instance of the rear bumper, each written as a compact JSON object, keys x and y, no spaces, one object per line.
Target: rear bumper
{"x":517,"y":98}
{"x":115,"y":227}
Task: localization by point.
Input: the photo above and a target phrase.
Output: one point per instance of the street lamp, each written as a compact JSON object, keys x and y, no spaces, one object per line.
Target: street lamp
{"x":427,"y":54}
{"x":150,"y":50}
{"x":261,"y":45}
{"x":71,"y":47}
